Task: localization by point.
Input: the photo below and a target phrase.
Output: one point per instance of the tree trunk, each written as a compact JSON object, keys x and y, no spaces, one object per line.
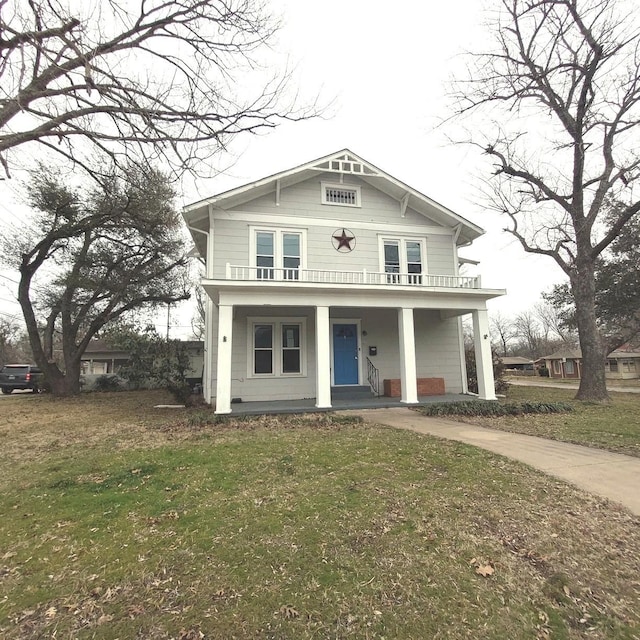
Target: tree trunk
{"x":592,"y":383}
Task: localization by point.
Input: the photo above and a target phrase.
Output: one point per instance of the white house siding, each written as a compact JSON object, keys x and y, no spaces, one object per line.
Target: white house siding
{"x":304,"y":199}
{"x":438,"y":349}
{"x":270,"y":388}
{"x":437,"y":345}
{"x":300,"y":207}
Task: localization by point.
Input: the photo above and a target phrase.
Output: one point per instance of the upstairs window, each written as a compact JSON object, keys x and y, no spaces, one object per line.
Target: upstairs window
{"x":341,"y":195}
{"x":277,"y":253}
{"x":265,"y":254}
{"x":403,"y":260}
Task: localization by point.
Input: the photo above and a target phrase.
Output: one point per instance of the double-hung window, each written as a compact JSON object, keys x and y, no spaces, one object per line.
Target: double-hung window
{"x":403,"y":260}
{"x":277,"y":253}
{"x":276,"y":347}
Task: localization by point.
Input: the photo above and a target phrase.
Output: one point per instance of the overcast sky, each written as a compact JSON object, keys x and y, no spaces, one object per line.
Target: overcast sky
{"x":387,"y":67}
{"x":383,"y":70}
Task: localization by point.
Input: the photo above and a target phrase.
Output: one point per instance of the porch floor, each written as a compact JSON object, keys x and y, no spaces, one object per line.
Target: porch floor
{"x":339,"y":402}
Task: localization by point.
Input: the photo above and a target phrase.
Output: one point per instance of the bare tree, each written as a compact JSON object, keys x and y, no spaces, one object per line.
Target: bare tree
{"x":144,"y":79}
{"x":527,"y":328}
{"x":551,"y":324}
{"x":504,"y":330}
{"x":562,"y":88}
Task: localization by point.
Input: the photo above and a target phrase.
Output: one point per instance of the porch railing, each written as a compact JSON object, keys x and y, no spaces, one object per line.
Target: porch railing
{"x":373,"y":377}
{"x":326,"y":276}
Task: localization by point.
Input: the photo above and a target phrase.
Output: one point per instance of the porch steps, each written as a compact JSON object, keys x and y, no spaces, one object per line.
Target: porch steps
{"x":355,"y":391}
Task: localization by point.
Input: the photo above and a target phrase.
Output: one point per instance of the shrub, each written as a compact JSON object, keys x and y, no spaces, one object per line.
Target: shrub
{"x":107,"y":383}
{"x":490,"y":408}
{"x":543,"y":372}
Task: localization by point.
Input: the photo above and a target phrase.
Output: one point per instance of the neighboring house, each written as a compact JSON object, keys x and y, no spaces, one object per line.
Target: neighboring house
{"x":335,"y":274}
{"x":100,"y":358}
{"x":620,"y":364}
{"x":518,"y":365}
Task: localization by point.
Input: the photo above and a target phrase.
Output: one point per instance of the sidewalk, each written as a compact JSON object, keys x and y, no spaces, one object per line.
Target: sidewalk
{"x":610,"y":475}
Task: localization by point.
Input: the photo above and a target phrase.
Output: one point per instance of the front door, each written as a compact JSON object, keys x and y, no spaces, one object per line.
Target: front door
{"x":345,"y":354}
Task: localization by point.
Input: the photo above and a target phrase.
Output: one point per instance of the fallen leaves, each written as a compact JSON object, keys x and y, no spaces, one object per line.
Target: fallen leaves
{"x":288,"y":612}
{"x":484,"y":569}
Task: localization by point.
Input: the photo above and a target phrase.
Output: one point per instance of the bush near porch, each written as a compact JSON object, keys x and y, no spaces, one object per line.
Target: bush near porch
{"x":120,"y":520}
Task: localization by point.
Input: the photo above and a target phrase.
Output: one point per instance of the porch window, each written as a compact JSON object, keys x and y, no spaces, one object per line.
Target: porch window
{"x":613,"y":366}
{"x":263,"y":349}
{"x":291,"y":348}
{"x":403,"y":260}
{"x":277,"y":253}
{"x":276,"y":347}
{"x":557,"y":366}
{"x":569,"y":367}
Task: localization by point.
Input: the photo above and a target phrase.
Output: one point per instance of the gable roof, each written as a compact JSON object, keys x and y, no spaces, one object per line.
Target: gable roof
{"x":340,"y":162}
{"x":576,"y":354}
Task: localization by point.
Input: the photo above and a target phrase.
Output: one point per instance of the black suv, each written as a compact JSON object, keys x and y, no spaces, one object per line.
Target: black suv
{"x":20,"y":376}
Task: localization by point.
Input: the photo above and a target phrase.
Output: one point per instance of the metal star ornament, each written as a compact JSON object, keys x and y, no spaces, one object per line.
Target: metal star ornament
{"x":343,"y":240}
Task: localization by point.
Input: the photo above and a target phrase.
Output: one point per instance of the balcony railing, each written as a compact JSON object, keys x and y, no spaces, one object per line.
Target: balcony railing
{"x":364,"y":277}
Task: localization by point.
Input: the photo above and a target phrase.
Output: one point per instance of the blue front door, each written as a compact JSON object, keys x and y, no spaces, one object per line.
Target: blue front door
{"x":345,"y":354}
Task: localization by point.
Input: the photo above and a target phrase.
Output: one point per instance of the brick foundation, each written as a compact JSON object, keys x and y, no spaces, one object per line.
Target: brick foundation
{"x":426,"y":387}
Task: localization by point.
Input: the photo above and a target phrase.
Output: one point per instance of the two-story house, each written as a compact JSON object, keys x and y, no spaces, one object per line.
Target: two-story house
{"x":335,"y":274}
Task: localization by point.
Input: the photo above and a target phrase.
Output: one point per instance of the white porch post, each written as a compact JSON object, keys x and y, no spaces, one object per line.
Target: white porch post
{"x":208,"y":365}
{"x":408,"y":371}
{"x":223,"y":387}
{"x":323,"y":359}
{"x":484,"y":360}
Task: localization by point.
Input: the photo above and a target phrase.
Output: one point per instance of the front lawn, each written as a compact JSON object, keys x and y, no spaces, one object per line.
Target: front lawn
{"x":118,"y":520}
{"x":614,"y":426}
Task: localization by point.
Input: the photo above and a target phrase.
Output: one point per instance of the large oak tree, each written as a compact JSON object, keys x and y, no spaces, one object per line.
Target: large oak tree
{"x":90,"y":257}
{"x":555,"y":106}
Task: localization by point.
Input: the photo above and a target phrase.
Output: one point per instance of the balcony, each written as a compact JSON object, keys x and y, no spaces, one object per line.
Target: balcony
{"x":240,"y":273}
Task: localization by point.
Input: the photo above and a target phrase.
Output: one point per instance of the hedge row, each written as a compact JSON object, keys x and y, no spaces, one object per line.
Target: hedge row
{"x":489,"y":408}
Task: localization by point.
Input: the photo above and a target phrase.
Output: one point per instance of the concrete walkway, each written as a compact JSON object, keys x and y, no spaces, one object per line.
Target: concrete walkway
{"x":610,"y":475}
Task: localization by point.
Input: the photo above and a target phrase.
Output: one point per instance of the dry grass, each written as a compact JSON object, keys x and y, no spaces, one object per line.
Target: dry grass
{"x":121,"y":521}
{"x":614,"y":426}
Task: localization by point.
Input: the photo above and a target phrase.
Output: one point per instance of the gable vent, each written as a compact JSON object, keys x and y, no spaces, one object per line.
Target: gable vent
{"x":341,"y":195}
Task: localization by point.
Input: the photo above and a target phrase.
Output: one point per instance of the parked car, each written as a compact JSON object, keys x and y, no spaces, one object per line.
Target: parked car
{"x":20,"y":376}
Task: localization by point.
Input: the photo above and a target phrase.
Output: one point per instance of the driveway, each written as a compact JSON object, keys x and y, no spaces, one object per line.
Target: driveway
{"x":610,"y":475}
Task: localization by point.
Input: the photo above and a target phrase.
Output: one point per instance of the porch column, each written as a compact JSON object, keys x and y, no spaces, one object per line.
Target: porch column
{"x":484,"y":359}
{"x":408,"y":371}
{"x":223,"y":386}
{"x":208,"y":366}
{"x":323,"y":359}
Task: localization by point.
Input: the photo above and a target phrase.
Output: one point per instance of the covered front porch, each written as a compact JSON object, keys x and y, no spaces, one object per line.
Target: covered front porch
{"x":339,"y":402}
{"x":335,"y":333}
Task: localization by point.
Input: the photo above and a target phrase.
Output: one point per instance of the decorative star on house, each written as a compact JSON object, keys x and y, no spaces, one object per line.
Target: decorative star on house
{"x":343,"y":240}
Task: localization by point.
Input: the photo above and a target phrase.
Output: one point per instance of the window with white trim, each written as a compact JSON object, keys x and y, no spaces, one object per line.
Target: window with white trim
{"x":569,"y":367}
{"x":277,"y":347}
{"x":557,"y":366}
{"x":343,"y":195}
{"x":403,"y":260}
{"x":277,"y":254}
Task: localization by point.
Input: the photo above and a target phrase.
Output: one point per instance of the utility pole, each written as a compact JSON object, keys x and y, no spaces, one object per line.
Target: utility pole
{"x":168,"y":317}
